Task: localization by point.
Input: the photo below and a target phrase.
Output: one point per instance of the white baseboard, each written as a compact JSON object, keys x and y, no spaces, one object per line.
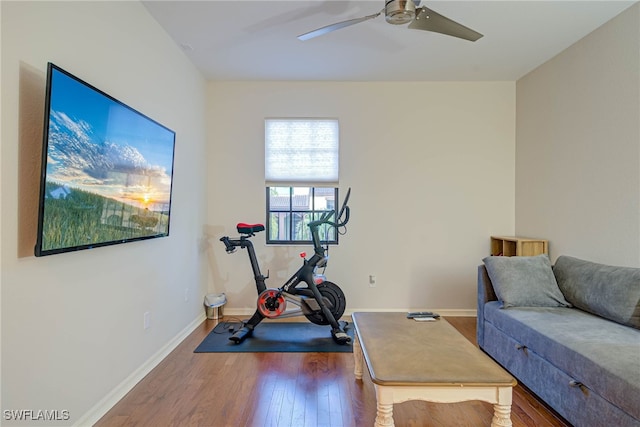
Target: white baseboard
{"x":453,"y":312}
{"x":102,"y":407}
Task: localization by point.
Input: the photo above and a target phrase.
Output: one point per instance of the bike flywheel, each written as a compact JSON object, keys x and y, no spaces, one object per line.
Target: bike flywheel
{"x":271,"y":303}
{"x":334,"y":299}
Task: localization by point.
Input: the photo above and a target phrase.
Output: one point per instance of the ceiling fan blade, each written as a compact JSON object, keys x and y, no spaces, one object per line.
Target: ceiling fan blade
{"x":429,"y":20}
{"x":336,"y":26}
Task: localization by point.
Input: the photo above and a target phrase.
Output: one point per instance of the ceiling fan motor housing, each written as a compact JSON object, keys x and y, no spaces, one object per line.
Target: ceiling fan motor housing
{"x":399,"y":11}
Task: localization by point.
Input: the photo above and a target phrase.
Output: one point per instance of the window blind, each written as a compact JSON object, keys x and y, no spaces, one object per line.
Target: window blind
{"x":301,"y":151}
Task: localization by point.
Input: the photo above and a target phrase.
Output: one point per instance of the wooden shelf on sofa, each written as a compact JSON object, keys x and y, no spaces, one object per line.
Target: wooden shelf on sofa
{"x":518,"y":246}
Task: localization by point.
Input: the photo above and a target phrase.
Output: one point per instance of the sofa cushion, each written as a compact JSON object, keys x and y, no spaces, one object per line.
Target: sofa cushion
{"x":524,"y":281}
{"x":601,"y":354}
{"x":607,"y":291}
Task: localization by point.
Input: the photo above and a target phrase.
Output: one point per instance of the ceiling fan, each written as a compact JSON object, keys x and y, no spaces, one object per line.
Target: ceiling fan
{"x":399,"y":12}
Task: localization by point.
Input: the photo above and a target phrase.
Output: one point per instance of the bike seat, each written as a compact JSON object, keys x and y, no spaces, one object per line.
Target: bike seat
{"x":249,"y":228}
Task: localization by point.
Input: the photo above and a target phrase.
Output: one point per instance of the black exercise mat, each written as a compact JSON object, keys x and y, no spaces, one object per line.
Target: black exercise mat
{"x":276,"y":337}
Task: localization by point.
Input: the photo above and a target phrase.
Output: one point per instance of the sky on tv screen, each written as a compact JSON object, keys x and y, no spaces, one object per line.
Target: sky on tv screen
{"x":99,"y":145}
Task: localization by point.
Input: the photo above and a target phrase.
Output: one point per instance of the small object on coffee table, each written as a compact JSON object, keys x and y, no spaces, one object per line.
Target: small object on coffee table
{"x":424,"y":319}
{"x":413,"y":314}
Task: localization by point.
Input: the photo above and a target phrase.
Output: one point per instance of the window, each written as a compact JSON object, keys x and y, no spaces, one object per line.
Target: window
{"x":290,"y":209}
{"x":301,"y":174}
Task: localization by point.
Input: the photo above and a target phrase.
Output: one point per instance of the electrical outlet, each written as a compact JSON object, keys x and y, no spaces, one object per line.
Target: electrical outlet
{"x":372,"y":281}
{"x":147,"y":320}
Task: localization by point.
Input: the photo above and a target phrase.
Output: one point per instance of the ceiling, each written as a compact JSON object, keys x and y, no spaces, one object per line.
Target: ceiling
{"x":257,"y":40}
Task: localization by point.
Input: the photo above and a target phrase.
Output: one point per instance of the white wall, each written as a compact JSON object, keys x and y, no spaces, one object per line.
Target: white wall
{"x":431,"y":166}
{"x":72,"y":324}
{"x":578,"y":147}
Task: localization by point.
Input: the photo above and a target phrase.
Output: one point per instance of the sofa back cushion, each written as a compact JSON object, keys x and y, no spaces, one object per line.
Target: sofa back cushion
{"x":607,"y":291}
{"x":524,"y":281}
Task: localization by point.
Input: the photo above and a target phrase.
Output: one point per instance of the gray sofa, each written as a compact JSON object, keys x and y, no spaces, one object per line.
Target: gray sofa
{"x":570,"y":333}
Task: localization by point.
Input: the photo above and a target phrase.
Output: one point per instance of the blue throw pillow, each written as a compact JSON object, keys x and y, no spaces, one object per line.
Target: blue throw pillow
{"x":524,"y":281}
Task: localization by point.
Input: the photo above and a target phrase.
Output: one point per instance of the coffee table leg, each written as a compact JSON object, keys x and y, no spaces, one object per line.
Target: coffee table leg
{"x":358,"y":358}
{"x":501,"y":416}
{"x":502,"y":409}
{"x":384,"y":415}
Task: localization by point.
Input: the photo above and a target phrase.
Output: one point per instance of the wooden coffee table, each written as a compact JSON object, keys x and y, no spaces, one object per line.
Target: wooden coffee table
{"x":431,"y":361}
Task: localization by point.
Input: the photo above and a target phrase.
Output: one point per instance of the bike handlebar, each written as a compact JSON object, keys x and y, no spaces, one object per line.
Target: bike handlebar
{"x":230,"y":248}
{"x":344,"y":211}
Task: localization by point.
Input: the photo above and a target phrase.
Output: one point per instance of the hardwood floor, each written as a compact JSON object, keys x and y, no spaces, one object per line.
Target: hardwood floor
{"x":289,"y":389}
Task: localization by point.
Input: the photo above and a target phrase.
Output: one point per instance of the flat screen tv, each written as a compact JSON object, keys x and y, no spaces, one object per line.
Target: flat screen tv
{"x":107,"y":170}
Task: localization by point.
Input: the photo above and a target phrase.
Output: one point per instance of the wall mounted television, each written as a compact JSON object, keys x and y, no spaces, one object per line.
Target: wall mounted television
{"x":107,"y":170}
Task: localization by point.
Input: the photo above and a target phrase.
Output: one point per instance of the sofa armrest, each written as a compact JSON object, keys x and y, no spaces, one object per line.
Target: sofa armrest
{"x":485,"y":294}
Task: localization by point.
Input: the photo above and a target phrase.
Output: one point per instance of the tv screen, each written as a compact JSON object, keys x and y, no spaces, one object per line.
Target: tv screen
{"x":106,"y":170}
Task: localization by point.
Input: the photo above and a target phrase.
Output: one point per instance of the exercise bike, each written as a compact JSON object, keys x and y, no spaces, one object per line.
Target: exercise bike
{"x":320,"y":301}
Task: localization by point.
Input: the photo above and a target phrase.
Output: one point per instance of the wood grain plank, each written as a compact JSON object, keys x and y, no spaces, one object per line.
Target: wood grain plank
{"x":290,"y":389}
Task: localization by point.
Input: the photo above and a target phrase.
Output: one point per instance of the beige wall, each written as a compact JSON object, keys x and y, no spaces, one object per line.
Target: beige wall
{"x":72,"y":324}
{"x":431,"y":166}
{"x":578,"y":147}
